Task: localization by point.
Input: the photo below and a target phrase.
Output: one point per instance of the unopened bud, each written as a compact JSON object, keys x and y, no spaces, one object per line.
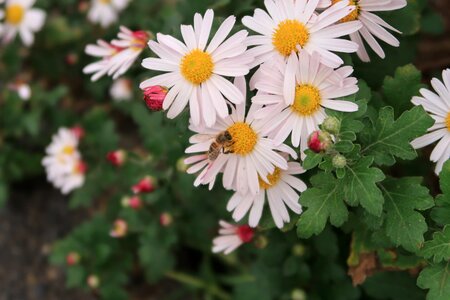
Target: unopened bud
{"x":181,"y":165}
{"x":165,"y":219}
{"x":245,"y":233}
{"x":73,"y":258}
{"x":133,"y":202}
{"x":93,"y":281}
{"x":298,"y":250}
{"x":332,"y":125}
{"x":71,"y":59}
{"x":154,"y":97}
{"x":261,"y":242}
{"x":298,"y":294}
{"x":117,"y":158}
{"x":339,"y":161}
{"x":120,"y":229}
{"x":319,"y":141}
{"x":146,"y":185}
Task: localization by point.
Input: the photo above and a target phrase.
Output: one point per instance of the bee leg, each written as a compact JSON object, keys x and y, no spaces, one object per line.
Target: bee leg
{"x":228,"y":151}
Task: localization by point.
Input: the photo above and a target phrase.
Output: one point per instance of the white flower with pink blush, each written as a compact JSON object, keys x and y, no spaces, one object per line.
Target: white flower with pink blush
{"x":118,"y":56}
{"x":106,"y":12}
{"x":232,"y":237}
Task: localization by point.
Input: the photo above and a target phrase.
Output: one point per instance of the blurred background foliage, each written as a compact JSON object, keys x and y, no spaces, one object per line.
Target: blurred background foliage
{"x":278,"y":266}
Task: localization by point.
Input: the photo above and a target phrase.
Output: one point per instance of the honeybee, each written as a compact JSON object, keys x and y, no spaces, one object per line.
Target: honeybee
{"x":223,"y":142}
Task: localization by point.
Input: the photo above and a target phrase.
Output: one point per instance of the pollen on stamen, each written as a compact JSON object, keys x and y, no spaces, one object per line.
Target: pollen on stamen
{"x":289,"y":35}
{"x":244,"y":138}
{"x":14,"y":14}
{"x":354,"y":15}
{"x":307,"y":100}
{"x":272,"y":178}
{"x":197,"y":66}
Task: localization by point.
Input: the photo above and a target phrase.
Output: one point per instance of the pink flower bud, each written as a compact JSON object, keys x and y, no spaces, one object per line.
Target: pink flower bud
{"x":78,"y":131}
{"x":154,"y":97}
{"x":120,"y":229}
{"x":165,"y":219}
{"x":319,"y":141}
{"x":146,"y":185}
{"x":73,"y":258}
{"x":117,"y":158}
{"x":134,"y":202}
{"x":245,"y":233}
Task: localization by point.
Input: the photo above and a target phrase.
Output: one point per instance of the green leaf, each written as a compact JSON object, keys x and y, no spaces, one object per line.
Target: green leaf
{"x":324,"y":201}
{"x":441,"y":213}
{"x":399,"y":90}
{"x":360,"y":186}
{"x":404,"y":198}
{"x":312,"y":160}
{"x":439,"y":247}
{"x":436,"y":278}
{"x":392,"y":285}
{"x":391,"y":138}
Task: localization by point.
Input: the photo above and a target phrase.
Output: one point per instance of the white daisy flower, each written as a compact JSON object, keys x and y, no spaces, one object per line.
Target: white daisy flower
{"x":438,"y":105}
{"x":296,"y":95}
{"x":293,"y":26}
{"x":196,"y":70}
{"x":232,"y":237}
{"x":247,"y":157}
{"x":21,"y":18}
{"x":372,"y":25}
{"x":72,"y":180}
{"x":106,"y":12}
{"x":121,"y":90}
{"x":279,"y":192}
{"x":118,"y":56}
{"x":63,"y":163}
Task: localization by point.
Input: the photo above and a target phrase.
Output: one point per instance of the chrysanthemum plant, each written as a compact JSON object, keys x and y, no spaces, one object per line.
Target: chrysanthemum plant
{"x":291,"y":130}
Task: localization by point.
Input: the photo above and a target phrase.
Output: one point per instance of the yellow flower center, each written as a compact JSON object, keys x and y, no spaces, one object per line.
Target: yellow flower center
{"x":14,"y":14}
{"x":307,"y":100}
{"x":273,"y":179}
{"x":69,"y":150}
{"x":105,"y":1}
{"x":289,"y":35}
{"x":447,"y":121}
{"x":354,"y":15}
{"x":244,"y":138}
{"x":197,"y":66}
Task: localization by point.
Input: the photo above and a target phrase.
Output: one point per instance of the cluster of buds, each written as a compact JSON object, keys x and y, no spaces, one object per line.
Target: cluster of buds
{"x":322,"y":141}
{"x":117,"y":158}
{"x":145,"y":185}
{"x":154,"y":97}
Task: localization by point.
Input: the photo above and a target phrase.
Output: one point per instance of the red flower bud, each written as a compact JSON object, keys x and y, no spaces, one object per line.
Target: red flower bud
{"x":146,"y":185}
{"x":165,"y":219}
{"x":319,"y":141}
{"x":245,"y":233}
{"x":154,"y":97}
{"x":117,"y":158}
{"x":73,"y":258}
{"x":78,"y":131}
{"x":134,"y":202}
